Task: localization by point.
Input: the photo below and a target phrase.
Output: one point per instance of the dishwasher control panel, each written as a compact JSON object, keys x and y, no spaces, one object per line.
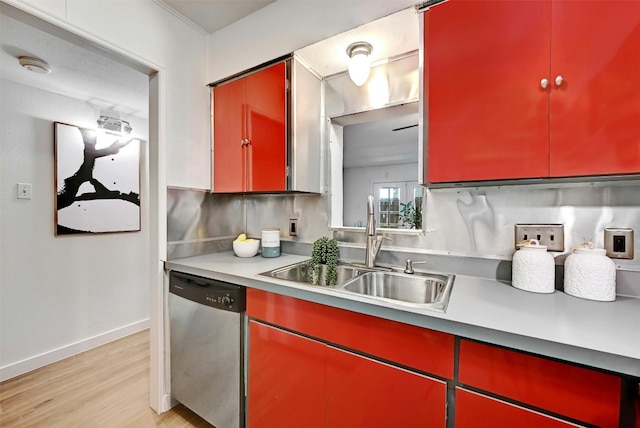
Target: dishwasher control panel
{"x":208,"y":292}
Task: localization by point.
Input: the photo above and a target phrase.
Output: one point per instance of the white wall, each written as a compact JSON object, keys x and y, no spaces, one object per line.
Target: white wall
{"x":59,"y":295}
{"x":179,"y":146}
{"x":149,"y":34}
{"x":284,"y":26}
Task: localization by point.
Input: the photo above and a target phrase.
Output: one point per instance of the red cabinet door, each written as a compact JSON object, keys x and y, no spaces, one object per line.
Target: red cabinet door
{"x":595,"y":111}
{"x":479,"y":411}
{"x":266,"y":129}
{"x":229,"y":106}
{"x":366,"y":393}
{"x":487,"y":114}
{"x":249,"y":132}
{"x":286,"y":384}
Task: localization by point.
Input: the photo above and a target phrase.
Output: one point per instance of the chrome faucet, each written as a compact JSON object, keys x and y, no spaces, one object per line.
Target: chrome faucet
{"x":373,"y":242}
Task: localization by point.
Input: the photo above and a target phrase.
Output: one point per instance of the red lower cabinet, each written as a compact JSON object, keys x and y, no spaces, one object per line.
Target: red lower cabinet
{"x":312,"y":365}
{"x":563,"y":389}
{"x":298,"y":382}
{"x":479,"y":411}
{"x":286,"y":386}
{"x":362,"y":392}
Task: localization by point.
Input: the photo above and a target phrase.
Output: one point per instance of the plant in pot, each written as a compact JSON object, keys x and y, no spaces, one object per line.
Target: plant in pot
{"x":324,"y":259}
{"x":411,"y":214}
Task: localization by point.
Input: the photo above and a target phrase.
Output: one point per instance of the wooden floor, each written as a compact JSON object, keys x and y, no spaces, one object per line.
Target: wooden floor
{"x":104,"y":387}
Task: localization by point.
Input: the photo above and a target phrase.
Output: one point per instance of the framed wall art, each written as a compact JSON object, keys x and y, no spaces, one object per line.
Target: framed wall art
{"x":97,"y":180}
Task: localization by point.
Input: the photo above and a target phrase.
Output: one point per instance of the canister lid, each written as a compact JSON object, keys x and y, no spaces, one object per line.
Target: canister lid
{"x":532,"y":244}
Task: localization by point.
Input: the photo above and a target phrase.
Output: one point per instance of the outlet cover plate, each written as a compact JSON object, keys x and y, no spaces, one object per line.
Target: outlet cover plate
{"x":618,"y":242}
{"x":551,"y":235}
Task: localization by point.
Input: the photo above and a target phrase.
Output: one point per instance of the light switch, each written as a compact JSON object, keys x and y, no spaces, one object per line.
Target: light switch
{"x":24,"y":190}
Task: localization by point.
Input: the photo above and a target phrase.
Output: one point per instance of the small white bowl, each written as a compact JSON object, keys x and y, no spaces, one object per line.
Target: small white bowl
{"x":246,"y":249}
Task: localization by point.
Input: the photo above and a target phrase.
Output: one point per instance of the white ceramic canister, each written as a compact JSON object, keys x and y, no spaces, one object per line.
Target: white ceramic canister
{"x":533,"y":268}
{"x":590,"y":274}
{"x":270,"y":242}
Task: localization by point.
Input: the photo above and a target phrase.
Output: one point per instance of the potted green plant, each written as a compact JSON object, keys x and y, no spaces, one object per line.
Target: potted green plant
{"x":411,"y":215}
{"x":324,"y":259}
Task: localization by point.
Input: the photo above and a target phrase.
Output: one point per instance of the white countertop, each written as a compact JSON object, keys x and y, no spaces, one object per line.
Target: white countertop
{"x":605,"y":335}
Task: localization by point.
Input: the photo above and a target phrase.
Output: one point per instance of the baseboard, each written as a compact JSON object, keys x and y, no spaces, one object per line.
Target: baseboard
{"x":29,"y":364}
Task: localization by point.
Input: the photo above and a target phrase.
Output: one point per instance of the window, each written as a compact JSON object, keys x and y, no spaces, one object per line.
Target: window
{"x":389,"y":200}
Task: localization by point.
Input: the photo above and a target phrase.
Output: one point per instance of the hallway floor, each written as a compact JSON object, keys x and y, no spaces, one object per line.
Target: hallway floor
{"x":107,"y":386}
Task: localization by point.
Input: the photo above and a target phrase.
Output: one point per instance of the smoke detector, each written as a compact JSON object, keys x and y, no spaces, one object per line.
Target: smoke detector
{"x":34,"y":64}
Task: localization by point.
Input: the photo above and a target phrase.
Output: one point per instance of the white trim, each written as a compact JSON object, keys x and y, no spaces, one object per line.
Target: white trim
{"x":32,"y":363}
{"x":158,"y":380}
{"x":181,"y":17}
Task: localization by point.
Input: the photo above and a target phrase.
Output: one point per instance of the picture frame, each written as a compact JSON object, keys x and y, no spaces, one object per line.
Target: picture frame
{"x":97,"y":181}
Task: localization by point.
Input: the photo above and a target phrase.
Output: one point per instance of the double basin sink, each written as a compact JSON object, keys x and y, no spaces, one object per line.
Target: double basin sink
{"x":419,"y":290}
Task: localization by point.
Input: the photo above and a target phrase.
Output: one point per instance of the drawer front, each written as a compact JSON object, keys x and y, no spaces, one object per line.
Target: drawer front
{"x":579,"y":393}
{"x":475,"y":410}
{"x":423,"y":349}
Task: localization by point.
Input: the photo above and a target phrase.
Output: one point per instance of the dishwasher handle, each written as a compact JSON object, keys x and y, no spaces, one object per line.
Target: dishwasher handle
{"x":209,"y":292}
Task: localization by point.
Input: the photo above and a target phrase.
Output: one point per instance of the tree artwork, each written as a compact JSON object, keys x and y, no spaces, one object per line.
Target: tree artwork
{"x":97,"y":181}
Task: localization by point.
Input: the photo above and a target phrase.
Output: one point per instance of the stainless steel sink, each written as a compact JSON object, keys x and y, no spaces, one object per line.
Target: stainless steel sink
{"x":415,"y":288}
{"x":418,"y":290}
{"x":299,"y":272}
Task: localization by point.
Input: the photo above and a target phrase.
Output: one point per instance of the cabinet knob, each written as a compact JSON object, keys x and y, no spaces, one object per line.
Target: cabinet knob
{"x":559,"y":80}
{"x":244,"y":142}
{"x":544,"y":83}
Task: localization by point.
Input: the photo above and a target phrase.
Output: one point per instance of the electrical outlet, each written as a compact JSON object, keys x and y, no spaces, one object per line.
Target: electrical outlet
{"x":551,"y":235}
{"x":618,"y":242}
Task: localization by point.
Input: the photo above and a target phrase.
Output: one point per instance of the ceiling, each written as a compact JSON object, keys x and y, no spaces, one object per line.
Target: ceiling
{"x":390,"y":36}
{"x":78,"y":70}
{"x":107,"y":82}
{"x":212,"y":15}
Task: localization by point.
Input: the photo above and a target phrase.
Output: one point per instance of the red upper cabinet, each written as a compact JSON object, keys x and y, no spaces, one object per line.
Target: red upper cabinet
{"x":229,"y":130}
{"x":249,"y":132}
{"x":531,"y":89}
{"x":487,"y":116}
{"x":595,"y":109}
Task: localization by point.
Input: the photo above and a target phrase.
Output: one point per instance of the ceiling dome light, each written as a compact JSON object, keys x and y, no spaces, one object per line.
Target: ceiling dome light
{"x":34,"y":64}
{"x":359,"y":62}
{"x":114,"y":124}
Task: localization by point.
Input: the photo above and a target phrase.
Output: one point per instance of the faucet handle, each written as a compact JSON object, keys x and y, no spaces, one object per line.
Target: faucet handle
{"x":408,"y":265}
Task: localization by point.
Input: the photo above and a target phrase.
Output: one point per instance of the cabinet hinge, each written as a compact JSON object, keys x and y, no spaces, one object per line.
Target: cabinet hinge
{"x":288,"y":171}
{"x":287,"y":84}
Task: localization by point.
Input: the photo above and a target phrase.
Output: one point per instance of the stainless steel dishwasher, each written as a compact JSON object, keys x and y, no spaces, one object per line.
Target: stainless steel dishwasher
{"x":206,"y":322}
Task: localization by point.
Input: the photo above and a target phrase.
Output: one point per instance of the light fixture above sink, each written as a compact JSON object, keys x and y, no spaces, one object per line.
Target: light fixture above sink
{"x":359,"y":62}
